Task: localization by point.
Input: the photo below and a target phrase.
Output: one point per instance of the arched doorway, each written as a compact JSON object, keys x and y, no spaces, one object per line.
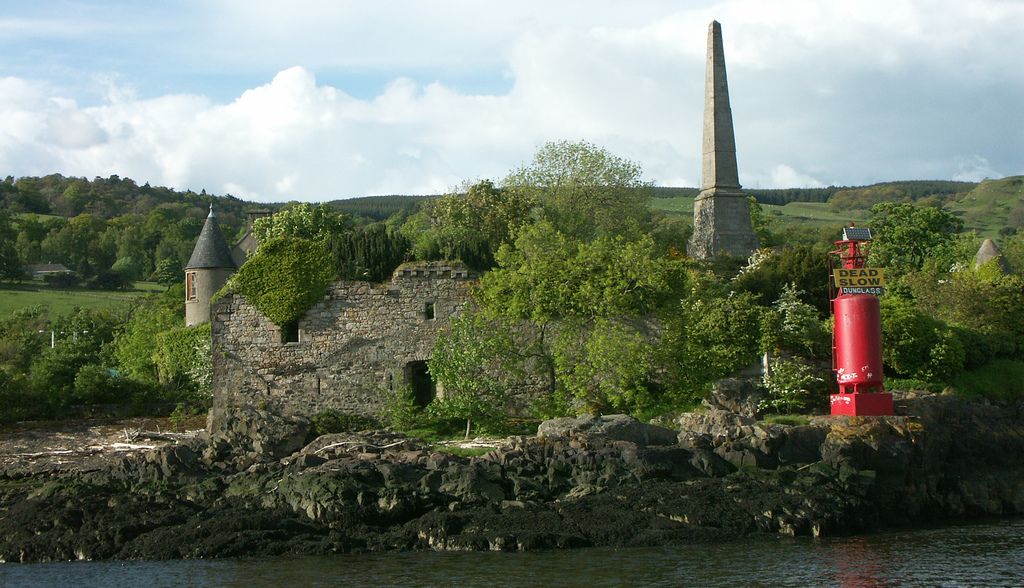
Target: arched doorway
{"x":417,"y":376}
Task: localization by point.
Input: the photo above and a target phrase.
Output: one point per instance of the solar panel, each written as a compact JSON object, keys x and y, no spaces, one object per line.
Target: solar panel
{"x":856,"y":234}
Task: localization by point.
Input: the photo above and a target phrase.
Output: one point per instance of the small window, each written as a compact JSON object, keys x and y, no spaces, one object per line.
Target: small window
{"x":190,"y":286}
{"x":428,"y":311}
{"x":290,"y":332}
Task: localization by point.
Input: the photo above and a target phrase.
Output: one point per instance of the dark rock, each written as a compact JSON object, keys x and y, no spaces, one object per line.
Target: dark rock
{"x":947,"y":458}
{"x":736,"y":395}
{"x":244,"y":436}
{"x":617,"y":427}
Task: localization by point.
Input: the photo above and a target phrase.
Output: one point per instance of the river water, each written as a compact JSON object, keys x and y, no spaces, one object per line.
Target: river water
{"x":989,"y":554}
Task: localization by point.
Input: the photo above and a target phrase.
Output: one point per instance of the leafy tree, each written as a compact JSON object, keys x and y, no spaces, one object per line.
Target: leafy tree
{"x":986,"y":305}
{"x":584,"y":190}
{"x":10,"y":264}
{"x":303,"y":221}
{"x":78,"y":245}
{"x":547,"y":275}
{"x":135,"y":346}
{"x":182,"y":354}
{"x":470,"y":226}
{"x":22,"y":338}
{"x":803,"y":266}
{"x":82,"y":340}
{"x":475,"y":362}
{"x":606,"y":366}
{"x":368,"y":253}
{"x":168,"y":272}
{"x":714,"y":334}
{"x":905,"y":234}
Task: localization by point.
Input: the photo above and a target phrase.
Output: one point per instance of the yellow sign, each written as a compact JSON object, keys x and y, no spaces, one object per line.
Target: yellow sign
{"x":865,"y":277}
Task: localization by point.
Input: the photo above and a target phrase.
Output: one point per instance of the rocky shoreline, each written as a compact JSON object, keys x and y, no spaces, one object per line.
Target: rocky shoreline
{"x":252,"y":488}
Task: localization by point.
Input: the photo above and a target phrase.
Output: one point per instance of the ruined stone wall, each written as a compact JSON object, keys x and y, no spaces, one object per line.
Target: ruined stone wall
{"x":353,"y":345}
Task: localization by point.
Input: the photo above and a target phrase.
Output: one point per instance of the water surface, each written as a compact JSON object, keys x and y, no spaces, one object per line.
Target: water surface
{"x":990,"y":554}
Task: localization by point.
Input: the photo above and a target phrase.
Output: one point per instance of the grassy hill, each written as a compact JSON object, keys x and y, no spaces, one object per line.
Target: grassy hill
{"x":992,"y":207}
{"x":792,"y":214}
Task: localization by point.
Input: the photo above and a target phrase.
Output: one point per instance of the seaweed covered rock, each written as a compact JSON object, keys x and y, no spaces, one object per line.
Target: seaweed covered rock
{"x":616,"y":427}
{"x":245,"y":436}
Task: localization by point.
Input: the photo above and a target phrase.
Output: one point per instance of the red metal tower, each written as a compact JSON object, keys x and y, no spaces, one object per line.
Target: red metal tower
{"x":857,"y":337}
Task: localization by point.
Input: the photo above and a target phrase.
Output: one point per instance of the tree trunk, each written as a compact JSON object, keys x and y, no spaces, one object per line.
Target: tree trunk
{"x":469,"y":423}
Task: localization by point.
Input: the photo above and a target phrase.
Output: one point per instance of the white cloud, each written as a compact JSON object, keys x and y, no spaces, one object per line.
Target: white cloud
{"x":975,"y":169}
{"x":854,"y":92}
{"x":783,"y":176}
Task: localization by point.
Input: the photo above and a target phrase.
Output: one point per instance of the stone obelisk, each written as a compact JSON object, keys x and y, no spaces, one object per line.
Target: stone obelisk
{"x":721,"y":215}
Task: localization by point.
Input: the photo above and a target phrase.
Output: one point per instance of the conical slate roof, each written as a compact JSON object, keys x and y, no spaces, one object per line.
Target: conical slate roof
{"x":987,"y":252}
{"x":211,"y":250}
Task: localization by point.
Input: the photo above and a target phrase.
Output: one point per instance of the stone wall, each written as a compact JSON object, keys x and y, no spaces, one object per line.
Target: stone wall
{"x":361,"y":340}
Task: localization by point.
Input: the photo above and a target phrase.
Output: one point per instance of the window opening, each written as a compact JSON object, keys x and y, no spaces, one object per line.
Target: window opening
{"x":190,"y":286}
{"x":428,"y":311}
{"x":417,"y":376}
{"x":290,"y":332}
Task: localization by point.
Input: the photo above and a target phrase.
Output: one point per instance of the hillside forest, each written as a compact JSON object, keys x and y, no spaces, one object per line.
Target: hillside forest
{"x":585,"y":286}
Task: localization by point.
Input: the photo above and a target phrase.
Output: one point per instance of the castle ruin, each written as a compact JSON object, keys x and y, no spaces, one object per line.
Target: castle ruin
{"x":346,"y":353}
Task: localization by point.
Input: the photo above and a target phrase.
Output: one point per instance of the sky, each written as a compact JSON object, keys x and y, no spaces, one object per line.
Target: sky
{"x":319,"y":100}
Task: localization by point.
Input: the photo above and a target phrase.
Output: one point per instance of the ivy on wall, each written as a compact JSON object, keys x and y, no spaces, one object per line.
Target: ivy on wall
{"x":286,"y":278}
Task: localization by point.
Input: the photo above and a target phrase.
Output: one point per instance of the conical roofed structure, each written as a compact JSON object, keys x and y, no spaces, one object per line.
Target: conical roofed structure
{"x":721,"y":214}
{"x":989,"y":251}
{"x":207,"y":271}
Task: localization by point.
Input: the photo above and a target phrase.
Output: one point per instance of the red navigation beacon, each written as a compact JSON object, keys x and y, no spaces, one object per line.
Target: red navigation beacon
{"x":857,"y":338}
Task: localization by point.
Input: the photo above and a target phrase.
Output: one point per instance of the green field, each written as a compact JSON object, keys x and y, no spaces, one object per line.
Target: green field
{"x":792,"y":214}
{"x":59,"y":302}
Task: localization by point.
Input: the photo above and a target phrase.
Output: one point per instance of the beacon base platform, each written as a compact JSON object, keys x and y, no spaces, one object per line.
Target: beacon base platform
{"x":862,"y":404}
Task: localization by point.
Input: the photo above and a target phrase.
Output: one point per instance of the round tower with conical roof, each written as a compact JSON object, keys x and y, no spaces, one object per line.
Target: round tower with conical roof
{"x":207,"y":271}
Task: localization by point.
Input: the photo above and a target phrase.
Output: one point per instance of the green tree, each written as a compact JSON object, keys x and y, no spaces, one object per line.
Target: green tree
{"x":168,"y":272}
{"x":78,"y":245}
{"x":10,"y":264}
{"x":475,"y":362}
{"x":303,"y":221}
{"x":584,"y":190}
{"x":369,"y":253}
{"x":136,"y":344}
{"x":471,"y":225}
{"x":714,"y":334}
{"x":606,"y":366}
{"x":557,"y":283}
{"x":548,"y":275}
{"x":905,"y":235}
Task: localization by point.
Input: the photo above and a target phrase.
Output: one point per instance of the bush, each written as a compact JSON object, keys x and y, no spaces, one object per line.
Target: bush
{"x":110,"y":280}
{"x":714,"y":335}
{"x":607,"y":367}
{"x":918,"y":346}
{"x":1000,"y":380}
{"x":400,"y":410}
{"x":19,"y":401}
{"x":793,"y":386}
{"x":94,"y":384}
{"x":61,"y":280}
